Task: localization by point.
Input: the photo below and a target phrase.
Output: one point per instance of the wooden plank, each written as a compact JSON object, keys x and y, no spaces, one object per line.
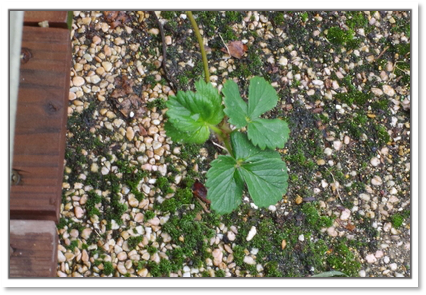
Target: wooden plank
{"x":56,"y":19}
{"x":33,"y":248}
{"x":39,"y":146}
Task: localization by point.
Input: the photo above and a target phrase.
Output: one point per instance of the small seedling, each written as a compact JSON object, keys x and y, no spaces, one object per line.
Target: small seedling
{"x":252,"y":161}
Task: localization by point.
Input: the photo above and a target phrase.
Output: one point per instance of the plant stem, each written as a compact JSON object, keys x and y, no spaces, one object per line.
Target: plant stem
{"x":223,"y":135}
{"x":200,"y":42}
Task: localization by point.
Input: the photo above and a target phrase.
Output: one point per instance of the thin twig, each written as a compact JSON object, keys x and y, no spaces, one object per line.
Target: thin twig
{"x":218,"y":145}
{"x":226,"y":46}
{"x":171,"y":80}
{"x":381,"y":53}
{"x":337,"y":188}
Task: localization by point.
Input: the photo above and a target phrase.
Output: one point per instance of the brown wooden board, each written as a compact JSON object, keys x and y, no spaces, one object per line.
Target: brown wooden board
{"x":56,"y":19}
{"x":33,"y":248}
{"x":40,"y":128}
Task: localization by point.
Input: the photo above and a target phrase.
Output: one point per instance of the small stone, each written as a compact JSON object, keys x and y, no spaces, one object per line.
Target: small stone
{"x":377,"y":91}
{"x":69,"y":256}
{"x":332,"y":231}
{"x":231,"y":236}
{"x":337,"y":145}
{"x":96,"y":40}
{"x":283,"y":244}
{"x":301,"y":238}
{"x":364,"y":197}
{"x":72,"y":96}
{"x":370,"y":258}
{"x":122,"y":256}
{"x":133,"y":202}
{"x":328,"y":151}
{"x":386,"y":259}
{"x":346,"y":139}
{"x":393,"y":266}
{"x":121,"y":268}
{"x":74,"y":233}
{"x":95,"y":79}
{"x":84,"y":256}
{"x":251,"y":233}
{"x":78,"y":81}
{"x":388,"y":90}
{"x":139,"y":217}
{"x":107,"y":66}
{"x":79,"y":212}
{"x":104,"y":170}
{"x":88,"y":57}
{"x":283,"y":61}
{"x":154,"y":221}
{"x":345,"y":214}
{"x":61,"y":257}
{"x":379,"y":254}
{"x":85,"y":234}
{"x":375,"y":161}
{"x":376,"y":180}
{"x":168,"y":40}
{"x":217,"y":256}
{"x":298,"y":200}
{"x":130,"y":134}
{"x":249,"y":260}
{"x":143,"y":272}
{"x":154,"y":31}
{"x":119,"y":41}
{"x":321,"y":162}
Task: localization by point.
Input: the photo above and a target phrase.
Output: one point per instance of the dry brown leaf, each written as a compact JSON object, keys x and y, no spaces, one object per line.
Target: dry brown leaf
{"x":236,"y":49}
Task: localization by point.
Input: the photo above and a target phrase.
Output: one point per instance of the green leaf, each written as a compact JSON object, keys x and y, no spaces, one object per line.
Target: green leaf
{"x":264,"y":133}
{"x":236,"y":107}
{"x":225,"y":185}
{"x":268,"y":133}
{"x":192,"y":114}
{"x":328,"y":274}
{"x":207,"y":92}
{"x":262,"y":97}
{"x":197,"y":136}
{"x":263,"y":171}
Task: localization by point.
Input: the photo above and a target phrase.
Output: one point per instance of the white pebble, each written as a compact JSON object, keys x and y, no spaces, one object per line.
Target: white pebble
{"x":251,"y":233}
{"x":217,"y":256}
{"x":345,"y":214}
{"x":78,"y":81}
{"x":362,"y":273}
{"x":61,"y":256}
{"x":249,"y":260}
{"x":283,"y":61}
{"x":107,"y":66}
{"x":301,"y":238}
{"x":79,"y":212}
{"x":328,"y":151}
{"x":332,"y":232}
{"x":231,"y":236}
{"x":104,"y":170}
{"x":388,"y":90}
{"x":370,"y":258}
{"x":337,"y":145}
{"x":376,"y":180}
{"x":386,"y":259}
{"x":375,"y":161}
{"x":393,"y":266}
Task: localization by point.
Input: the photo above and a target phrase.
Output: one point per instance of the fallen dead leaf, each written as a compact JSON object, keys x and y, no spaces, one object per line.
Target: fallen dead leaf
{"x":235,"y":49}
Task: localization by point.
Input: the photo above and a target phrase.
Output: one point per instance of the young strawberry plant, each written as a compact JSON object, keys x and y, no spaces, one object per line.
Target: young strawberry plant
{"x":252,"y":161}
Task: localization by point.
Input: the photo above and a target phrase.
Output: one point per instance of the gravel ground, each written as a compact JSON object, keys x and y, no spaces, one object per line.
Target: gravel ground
{"x":343,"y":79}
